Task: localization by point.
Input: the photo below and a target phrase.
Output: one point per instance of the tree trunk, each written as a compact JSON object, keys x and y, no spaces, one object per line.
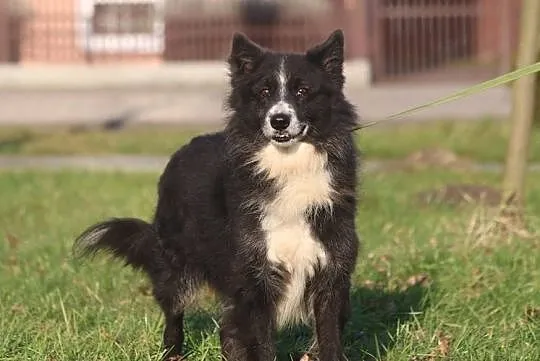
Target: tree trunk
{"x":537,"y":93}
{"x":523,"y":104}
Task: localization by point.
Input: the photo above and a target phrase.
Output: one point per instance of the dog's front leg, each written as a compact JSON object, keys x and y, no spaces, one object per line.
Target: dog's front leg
{"x":331,"y":310}
{"x":247,"y":332}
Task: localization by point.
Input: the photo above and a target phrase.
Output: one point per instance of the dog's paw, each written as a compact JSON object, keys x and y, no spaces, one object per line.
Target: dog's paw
{"x":176,"y":358}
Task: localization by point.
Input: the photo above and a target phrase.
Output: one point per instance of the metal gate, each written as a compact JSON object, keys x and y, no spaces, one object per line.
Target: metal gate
{"x":424,"y":37}
{"x":10,"y":32}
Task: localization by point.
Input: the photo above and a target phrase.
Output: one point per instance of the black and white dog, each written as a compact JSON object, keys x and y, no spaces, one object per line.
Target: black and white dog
{"x":262,"y":212}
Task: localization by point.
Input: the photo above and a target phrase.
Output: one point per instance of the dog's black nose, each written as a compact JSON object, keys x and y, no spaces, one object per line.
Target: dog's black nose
{"x":280,"y":121}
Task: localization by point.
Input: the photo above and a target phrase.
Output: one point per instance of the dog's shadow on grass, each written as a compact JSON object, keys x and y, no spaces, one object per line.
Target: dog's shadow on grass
{"x":376,"y":315}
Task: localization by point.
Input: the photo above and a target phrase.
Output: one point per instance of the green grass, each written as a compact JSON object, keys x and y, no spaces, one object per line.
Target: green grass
{"x":483,"y":140}
{"x":475,"y":297}
{"x":64,"y":141}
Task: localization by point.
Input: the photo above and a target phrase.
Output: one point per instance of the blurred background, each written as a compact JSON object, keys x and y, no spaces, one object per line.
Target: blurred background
{"x":95,"y":95}
{"x":397,"y":39}
{"x":431,"y":46}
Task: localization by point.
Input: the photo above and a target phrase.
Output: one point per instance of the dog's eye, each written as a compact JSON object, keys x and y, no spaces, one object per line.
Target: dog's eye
{"x":302,"y":91}
{"x":264,"y":92}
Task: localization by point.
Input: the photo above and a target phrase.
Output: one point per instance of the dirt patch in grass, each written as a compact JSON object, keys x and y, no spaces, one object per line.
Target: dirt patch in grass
{"x":429,"y":158}
{"x":461,"y":194}
{"x":437,"y":157}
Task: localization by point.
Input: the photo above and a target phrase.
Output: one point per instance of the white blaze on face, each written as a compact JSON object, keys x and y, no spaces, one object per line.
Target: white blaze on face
{"x":282,"y":81}
{"x":282,"y":106}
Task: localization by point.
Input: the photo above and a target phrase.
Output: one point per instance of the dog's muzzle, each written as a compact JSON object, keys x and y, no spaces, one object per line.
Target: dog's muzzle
{"x":284,"y":128}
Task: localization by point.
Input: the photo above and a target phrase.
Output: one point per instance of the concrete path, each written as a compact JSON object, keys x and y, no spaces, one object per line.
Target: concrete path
{"x":193,"y":93}
{"x":196,"y":106}
{"x":137,"y":163}
{"x":189,"y":74}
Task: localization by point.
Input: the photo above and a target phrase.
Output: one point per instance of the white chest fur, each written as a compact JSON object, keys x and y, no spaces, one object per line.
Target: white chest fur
{"x":303,"y":182}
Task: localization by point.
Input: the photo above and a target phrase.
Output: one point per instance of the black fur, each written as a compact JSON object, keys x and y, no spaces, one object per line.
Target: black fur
{"x":207,"y":224}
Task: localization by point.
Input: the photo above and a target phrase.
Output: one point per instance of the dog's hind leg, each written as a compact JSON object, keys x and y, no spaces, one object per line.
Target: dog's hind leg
{"x":172,"y":301}
{"x":173,"y":336}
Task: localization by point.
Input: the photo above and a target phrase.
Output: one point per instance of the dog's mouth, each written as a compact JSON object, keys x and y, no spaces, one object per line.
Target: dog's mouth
{"x":284,"y":137}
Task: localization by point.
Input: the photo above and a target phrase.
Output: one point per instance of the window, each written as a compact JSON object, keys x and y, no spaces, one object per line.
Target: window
{"x":122,"y":25}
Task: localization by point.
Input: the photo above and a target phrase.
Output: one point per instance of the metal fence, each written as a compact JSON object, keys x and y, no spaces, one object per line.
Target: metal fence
{"x":443,"y":38}
{"x":402,"y":39}
{"x":423,"y":35}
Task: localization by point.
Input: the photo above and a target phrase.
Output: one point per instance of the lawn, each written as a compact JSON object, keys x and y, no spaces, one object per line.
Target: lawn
{"x":480,"y":140}
{"x":425,"y":288}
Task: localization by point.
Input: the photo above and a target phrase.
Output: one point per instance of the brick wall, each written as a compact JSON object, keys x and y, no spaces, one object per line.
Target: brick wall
{"x":498,"y":31}
{"x":52,"y":34}
{"x":208,"y":37}
{"x":4,"y":32}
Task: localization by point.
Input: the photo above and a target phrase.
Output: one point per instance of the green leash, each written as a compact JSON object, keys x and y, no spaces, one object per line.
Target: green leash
{"x":492,"y":83}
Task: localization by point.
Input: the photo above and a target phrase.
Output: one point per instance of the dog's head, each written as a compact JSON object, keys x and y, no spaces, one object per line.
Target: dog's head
{"x":285,"y":97}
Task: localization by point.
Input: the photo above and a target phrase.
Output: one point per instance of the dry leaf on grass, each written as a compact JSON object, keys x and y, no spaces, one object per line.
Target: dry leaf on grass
{"x":421,"y":279}
{"x":443,"y":348}
{"x":423,"y":358}
{"x":18,"y":308}
{"x":145,"y":290}
{"x":369,"y":284}
{"x":13,"y":241}
{"x":442,"y":351}
{"x":176,"y":358}
{"x":385,"y":258}
{"x":12,"y":260}
{"x":532,"y":313}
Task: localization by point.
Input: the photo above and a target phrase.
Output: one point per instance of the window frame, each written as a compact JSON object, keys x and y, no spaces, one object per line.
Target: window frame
{"x":120,"y":43}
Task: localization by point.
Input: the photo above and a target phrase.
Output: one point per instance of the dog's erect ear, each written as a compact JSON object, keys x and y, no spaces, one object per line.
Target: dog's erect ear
{"x":244,"y":54}
{"x":330,"y":54}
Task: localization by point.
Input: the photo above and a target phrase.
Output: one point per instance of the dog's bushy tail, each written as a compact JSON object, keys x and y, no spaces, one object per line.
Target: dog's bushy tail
{"x":133,"y":240}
